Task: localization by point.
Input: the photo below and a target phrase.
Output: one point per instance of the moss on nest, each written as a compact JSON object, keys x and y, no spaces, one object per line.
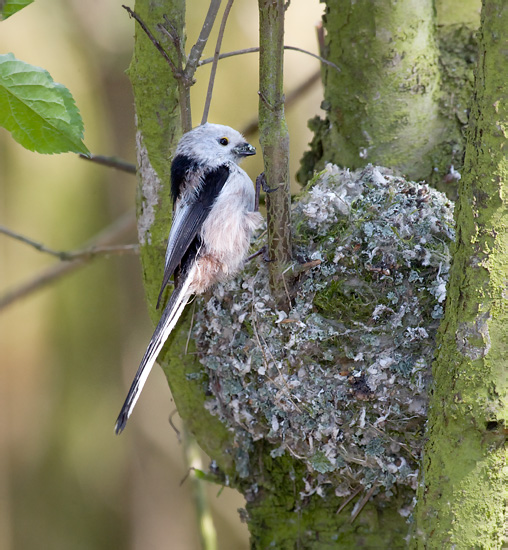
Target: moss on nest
{"x":340,"y":380}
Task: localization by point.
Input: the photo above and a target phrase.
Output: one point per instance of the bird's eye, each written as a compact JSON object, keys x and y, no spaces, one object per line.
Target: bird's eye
{"x":224,"y":141}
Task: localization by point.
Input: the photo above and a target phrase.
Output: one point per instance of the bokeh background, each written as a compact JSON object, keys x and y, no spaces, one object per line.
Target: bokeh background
{"x":68,"y":351}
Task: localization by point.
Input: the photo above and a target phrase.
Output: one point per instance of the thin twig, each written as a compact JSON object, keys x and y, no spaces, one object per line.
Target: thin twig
{"x":209,"y":92}
{"x":118,"y":229}
{"x":256,"y":49}
{"x":112,"y":162}
{"x":171,"y":423}
{"x":349,"y":499}
{"x":154,"y":40}
{"x":183,"y":84}
{"x":322,"y":59}
{"x":68,"y":256}
{"x":360,"y":505}
{"x":197,"y":49}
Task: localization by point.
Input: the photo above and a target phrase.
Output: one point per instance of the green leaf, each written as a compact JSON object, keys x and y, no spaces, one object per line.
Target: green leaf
{"x":10,"y":7}
{"x":40,"y":113}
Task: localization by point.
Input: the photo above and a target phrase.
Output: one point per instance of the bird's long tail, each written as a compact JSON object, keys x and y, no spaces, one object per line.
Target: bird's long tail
{"x":170,"y":316}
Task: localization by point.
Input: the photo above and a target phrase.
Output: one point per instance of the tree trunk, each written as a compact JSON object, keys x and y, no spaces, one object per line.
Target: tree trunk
{"x":159,"y":127}
{"x":274,"y":139}
{"x":463,"y":501}
{"x":382,"y":107}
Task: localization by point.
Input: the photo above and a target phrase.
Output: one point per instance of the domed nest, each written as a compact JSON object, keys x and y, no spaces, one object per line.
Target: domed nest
{"x":339,"y":380}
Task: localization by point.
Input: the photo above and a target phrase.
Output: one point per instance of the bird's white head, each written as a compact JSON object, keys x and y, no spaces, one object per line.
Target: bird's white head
{"x":214,"y":144}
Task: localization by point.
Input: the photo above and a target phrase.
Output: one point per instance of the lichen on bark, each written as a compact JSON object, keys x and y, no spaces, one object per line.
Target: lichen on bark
{"x":382,"y":105}
{"x":401,"y":98}
{"x":462,"y":502}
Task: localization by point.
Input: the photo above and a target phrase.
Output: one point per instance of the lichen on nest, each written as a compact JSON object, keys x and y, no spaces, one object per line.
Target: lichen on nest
{"x":340,"y":380}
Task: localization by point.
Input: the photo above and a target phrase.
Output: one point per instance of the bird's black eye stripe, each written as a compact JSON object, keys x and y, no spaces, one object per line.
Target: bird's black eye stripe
{"x":224,"y":141}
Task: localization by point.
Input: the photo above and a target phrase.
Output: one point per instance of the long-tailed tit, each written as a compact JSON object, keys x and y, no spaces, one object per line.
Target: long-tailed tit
{"x":213,"y":221}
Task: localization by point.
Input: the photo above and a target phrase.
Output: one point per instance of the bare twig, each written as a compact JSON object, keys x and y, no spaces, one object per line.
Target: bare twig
{"x":67,"y":256}
{"x":112,"y":162}
{"x":360,"y":505}
{"x":215,"y":60}
{"x":197,"y":49}
{"x":119,"y":228}
{"x":322,"y":59}
{"x":349,"y":499}
{"x":256,"y":49}
{"x":154,"y":40}
{"x":171,"y":423}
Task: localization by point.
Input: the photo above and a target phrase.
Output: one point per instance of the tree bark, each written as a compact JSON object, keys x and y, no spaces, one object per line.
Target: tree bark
{"x":382,"y":107}
{"x":463,"y":501}
{"x":274,"y":139}
{"x":159,"y":128}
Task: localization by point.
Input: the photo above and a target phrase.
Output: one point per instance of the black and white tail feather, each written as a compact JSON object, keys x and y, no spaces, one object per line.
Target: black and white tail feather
{"x":213,"y":221}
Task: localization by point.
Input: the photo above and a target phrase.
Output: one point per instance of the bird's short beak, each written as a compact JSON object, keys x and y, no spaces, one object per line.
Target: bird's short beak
{"x":244,"y":150}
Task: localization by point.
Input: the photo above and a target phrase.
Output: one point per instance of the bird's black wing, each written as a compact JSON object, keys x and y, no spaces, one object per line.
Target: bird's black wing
{"x":193,"y":206}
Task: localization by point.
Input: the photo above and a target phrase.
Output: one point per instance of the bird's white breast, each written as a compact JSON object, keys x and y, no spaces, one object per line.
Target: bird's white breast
{"x":228,"y":228}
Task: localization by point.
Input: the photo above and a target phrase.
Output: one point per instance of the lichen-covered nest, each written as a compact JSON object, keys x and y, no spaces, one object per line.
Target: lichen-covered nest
{"x":340,"y":380}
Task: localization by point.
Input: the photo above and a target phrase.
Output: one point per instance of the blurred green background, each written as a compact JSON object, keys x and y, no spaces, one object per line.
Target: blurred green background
{"x":68,"y":352}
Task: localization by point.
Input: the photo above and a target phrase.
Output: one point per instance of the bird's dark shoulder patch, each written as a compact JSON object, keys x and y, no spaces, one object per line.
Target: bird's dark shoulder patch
{"x":213,"y":182}
{"x":180,"y":166}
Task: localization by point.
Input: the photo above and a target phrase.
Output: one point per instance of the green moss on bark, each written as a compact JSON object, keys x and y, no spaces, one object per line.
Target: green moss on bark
{"x":402,"y":96}
{"x":274,"y":139}
{"x":159,"y":129}
{"x":279,"y":518}
{"x":382,"y":106}
{"x":463,"y":501}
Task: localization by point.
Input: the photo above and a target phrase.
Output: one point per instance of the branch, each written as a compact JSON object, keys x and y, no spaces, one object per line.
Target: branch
{"x":274,"y":139}
{"x":154,"y":40}
{"x":112,"y":162}
{"x":197,"y":49}
{"x":67,"y":256}
{"x":215,"y":61}
{"x":256,"y":49}
{"x":103,"y":241}
{"x":185,"y":77}
{"x":47,"y":276}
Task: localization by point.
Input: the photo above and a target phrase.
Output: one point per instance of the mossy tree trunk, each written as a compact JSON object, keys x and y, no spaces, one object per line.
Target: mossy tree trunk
{"x":463,"y":501}
{"x":159,"y":127}
{"x":396,"y":101}
{"x":274,"y":139}
{"x":383,"y":108}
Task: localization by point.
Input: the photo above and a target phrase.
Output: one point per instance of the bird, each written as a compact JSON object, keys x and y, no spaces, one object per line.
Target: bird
{"x":214,"y":217}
